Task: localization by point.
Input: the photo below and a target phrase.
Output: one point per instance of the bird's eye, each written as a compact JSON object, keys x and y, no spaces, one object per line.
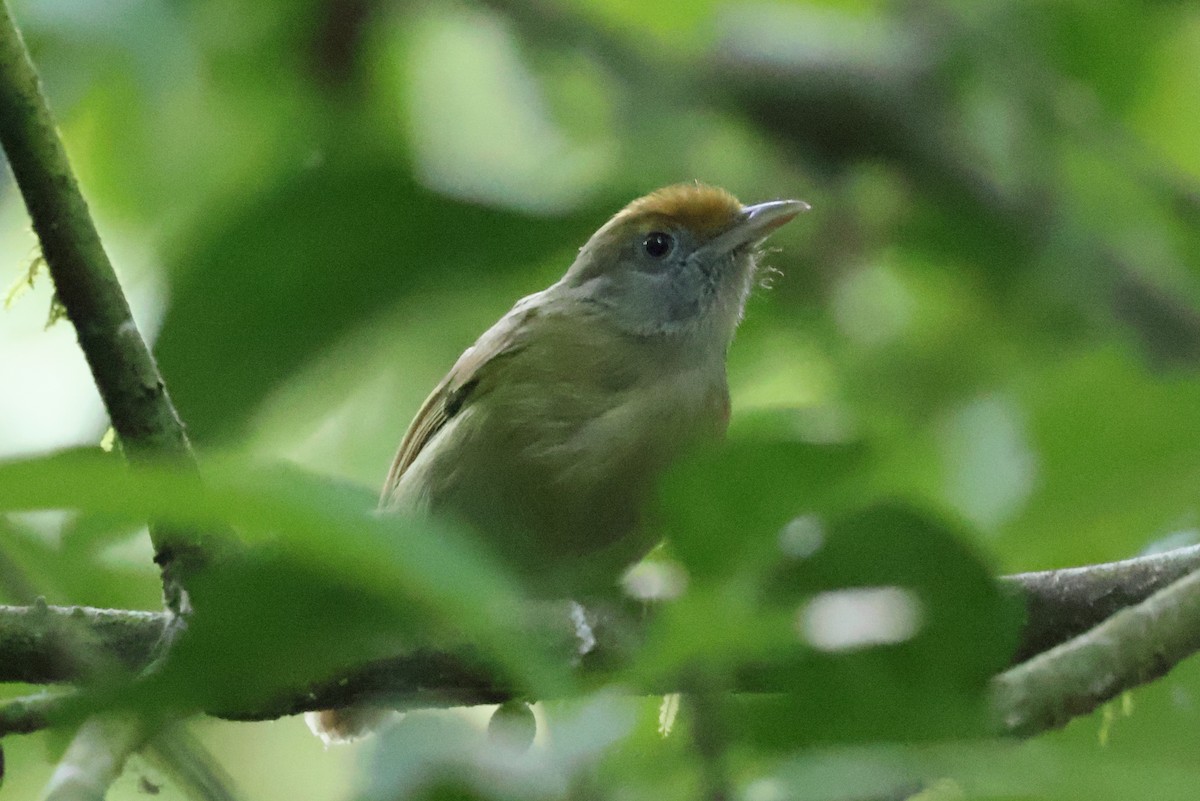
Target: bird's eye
{"x":658,"y":244}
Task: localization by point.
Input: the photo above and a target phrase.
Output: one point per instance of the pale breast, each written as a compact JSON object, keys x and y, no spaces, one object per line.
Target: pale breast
{"x":554,"y":464}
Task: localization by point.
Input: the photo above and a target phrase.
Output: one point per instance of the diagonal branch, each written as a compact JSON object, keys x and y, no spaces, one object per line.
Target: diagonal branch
{"x":84,"y":279}
{"x":95,"y":758}
{"x":125,"y":374}
{"x":85,"y":283}
{"x":1133,"y":647}
{"x":1061,"y":604}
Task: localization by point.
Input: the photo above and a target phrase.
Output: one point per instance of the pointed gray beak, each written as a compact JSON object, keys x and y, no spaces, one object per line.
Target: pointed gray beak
{"x":756,"y":224}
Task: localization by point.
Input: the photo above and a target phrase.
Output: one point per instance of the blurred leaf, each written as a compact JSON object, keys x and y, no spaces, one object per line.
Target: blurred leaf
{"x":269,"y":621}
{"x":722,"y":508}
{"x":877,"y":625}
{"x":324,"y":251}
{"x":675,"y":24}
{"x":1169,"y":100}
{"x":1030,"y":769}
{"x":837,"y":774}
{"x":412,"y":570}
{"x":968,"y":626}
{"x":1103,"y":45}
{"x":1118,"y":453}
{"x":88,"y":534}
{"x":426,"y":756}
{"x":483,"y":132}
{"x":67,"y":575}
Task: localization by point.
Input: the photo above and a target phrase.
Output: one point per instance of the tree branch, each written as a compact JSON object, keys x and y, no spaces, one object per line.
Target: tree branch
{"x":42,"y":644}
{"x":95,"y":758}
{"x":130,"y":386}
{"x":1131,"y":648}
{"x":84,"y":279}
{"x":125,"y":373}
{"x":1061,"y":605}
{"x":35,"y":712}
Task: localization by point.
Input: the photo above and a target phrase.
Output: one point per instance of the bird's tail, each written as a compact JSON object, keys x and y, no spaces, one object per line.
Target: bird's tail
{"x":348,"y":724}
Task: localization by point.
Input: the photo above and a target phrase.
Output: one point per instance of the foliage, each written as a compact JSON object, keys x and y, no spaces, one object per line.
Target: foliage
{"x":985,"y":336}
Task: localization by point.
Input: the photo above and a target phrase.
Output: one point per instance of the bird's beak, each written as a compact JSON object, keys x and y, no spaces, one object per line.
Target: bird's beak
{"x":755,"y":224}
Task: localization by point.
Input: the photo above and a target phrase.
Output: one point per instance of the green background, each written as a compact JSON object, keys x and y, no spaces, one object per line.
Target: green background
{"x":977,"y":353}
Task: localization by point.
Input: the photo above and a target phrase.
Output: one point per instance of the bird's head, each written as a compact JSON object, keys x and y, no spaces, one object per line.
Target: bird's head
{"x":678,"y":261}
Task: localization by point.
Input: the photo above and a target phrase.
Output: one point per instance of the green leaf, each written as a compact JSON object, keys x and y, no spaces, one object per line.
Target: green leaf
{"x":428,"y":755}
{"x":875,"y":625}
{"x":63,"y":573}
{"x":269,"y":621}
{"x":410,"y":570}
{"x":723,"y":508}
{"x":255,"y":297}
{"x":1118,"y":452}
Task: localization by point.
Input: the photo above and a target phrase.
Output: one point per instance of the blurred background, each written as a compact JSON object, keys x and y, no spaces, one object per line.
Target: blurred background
{"x":316,"y":206}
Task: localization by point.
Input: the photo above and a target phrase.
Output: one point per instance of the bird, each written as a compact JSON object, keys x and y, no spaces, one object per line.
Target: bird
{"x":549,"y":434}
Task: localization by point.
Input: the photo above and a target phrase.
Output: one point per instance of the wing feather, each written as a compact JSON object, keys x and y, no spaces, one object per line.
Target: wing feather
{"x":460,"y":387}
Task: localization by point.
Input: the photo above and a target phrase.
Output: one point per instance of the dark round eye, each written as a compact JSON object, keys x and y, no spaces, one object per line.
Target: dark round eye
{"x":658,"y":244}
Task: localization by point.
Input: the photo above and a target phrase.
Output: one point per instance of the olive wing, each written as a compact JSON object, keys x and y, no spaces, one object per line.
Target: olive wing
{"x":460,"y":387}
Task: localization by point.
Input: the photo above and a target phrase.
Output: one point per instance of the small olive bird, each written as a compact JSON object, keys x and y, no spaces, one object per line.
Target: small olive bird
{"x":548,"y":434}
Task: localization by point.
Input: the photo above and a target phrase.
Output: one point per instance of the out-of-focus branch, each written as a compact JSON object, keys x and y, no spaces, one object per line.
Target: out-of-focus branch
{"x":849,"y":108}
{"x":190,"y":765}
{"x":36,"y":712}
{"x":856,"y":93}
{"x":95,"y":758}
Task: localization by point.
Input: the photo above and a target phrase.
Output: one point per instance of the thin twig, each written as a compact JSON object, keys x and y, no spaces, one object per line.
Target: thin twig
{"x":191,"y":766}
{"x":35,"y":712}
{"x":710,"y":740}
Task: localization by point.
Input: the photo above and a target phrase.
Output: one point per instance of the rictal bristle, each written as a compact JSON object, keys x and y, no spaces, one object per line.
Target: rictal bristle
{"x":705,"y":210}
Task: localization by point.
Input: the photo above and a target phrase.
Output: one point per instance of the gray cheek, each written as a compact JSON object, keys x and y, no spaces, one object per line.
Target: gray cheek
{"x":680,"y":298}
{"x":664,"y":300}
{"x":645,"y":303}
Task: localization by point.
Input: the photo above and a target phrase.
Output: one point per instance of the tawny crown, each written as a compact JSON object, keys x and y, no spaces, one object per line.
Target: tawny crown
{"x":704,"y":210}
